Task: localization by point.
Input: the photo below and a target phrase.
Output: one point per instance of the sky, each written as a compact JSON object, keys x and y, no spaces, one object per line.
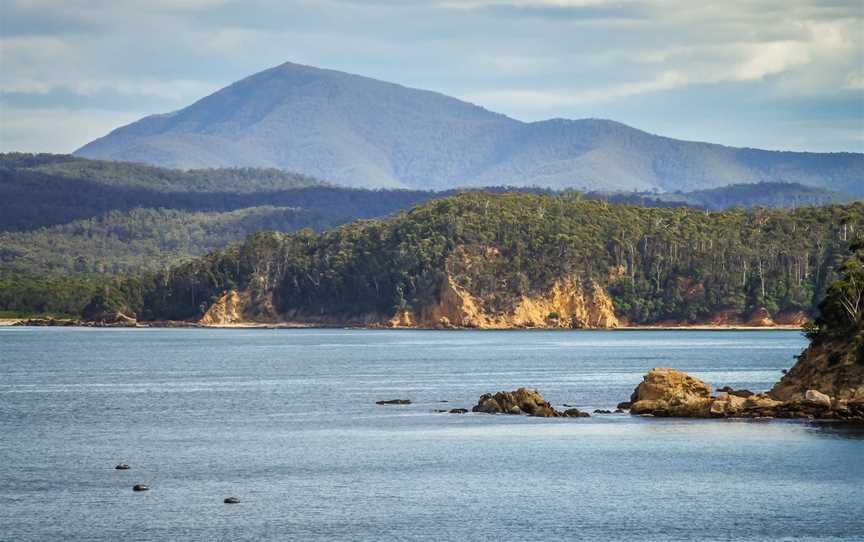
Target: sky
{"x":773,"y":74}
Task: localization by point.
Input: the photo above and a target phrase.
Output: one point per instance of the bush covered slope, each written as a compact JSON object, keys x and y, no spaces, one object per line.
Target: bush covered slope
{"x":659,"y":264}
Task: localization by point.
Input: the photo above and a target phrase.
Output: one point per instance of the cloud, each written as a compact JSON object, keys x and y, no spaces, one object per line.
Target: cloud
{"x":525,"y":58}
{"x":56,"y":130}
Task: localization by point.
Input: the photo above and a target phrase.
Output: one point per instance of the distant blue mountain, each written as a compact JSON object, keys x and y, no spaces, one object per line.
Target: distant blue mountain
{"x":362,"y":132}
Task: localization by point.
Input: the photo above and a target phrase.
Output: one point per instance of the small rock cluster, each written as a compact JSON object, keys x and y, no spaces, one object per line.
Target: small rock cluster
{"x":523,"y":401}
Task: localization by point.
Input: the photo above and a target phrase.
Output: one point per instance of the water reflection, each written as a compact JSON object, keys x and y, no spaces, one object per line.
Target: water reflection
{"x":843,"y":430}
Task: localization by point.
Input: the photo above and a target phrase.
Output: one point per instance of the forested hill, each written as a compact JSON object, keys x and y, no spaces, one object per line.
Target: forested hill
{"x":659,"y":265}
{"x":61,"y":214}
{"x":366,"y":133}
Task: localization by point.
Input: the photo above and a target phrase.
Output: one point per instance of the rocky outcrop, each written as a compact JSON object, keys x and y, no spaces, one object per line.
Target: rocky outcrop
{"x":569,"y":303}
{"x":229,"y":309}
{"x":668,"y":392}
{"x":522,"y":401}
{"x":836,"y":370}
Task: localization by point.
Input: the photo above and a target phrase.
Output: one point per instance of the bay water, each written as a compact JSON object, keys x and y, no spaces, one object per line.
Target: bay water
{"x":286,"y":420}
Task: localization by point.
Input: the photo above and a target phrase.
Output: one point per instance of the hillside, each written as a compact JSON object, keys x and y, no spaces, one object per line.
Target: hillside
{"x":39,"y":191}
{"x":833,"y":364}
{"x":361,"y":132}
{"x":512,"y":260}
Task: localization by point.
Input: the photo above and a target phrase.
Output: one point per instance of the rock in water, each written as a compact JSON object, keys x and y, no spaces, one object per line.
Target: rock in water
{"x":140,"y":487}
{"x":231,"y":500}
{"x":394,"y":402}
{"x":669,"y":392}
{"x":521,"y":401}
{"x":122,"y":466}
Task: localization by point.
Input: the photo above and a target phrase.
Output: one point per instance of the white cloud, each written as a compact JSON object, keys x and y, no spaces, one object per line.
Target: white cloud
{"x":56,"y":130}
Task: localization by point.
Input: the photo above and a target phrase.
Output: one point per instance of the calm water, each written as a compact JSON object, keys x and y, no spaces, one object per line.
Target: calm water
{"x":286,"y":421}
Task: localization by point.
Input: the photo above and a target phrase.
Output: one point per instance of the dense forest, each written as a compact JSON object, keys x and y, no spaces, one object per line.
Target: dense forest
{"x":841,"y":313}
{"x":659,"y":264}
{"x":61,"y":215}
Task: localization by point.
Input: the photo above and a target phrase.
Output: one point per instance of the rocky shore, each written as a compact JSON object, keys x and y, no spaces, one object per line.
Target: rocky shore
{"x":667,"y":392}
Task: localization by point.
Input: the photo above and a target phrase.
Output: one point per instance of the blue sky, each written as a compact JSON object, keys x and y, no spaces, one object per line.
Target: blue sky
{"x":775,"y":74}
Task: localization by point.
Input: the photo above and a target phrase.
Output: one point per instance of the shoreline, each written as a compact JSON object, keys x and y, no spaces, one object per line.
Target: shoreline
{"x":6,"y":322}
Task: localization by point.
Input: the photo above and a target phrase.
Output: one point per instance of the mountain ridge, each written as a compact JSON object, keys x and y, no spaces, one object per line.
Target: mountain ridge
{"x":362,"y":132}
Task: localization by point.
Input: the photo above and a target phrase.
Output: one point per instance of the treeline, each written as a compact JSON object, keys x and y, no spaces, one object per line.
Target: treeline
{"x":659,"y":264}
{"x":141,"y":239}
{"x":60,"y":192}
{"x":841,"y":313}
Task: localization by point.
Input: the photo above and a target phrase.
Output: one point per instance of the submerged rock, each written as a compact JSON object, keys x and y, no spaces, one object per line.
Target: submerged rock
{"x":231,"y":500}
{"x":458,"y":411}
{"x":140,"y":487}
{"x":394,"y":402}
{"x":122,"y":466}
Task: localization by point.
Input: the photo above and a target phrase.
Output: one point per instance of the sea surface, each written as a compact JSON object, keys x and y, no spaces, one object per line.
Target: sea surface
{"x":286,"y":420}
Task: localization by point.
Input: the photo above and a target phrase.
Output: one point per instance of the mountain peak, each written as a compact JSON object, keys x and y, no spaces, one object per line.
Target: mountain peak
{"x":360,"y":131}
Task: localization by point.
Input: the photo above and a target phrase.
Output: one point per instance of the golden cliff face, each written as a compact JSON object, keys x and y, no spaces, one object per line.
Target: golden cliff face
{"x":226,"y":311}
{"x":568,"y":304}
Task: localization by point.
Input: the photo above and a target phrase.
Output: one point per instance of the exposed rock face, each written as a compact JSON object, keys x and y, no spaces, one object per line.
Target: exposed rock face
{"x":668,"y":392}
{"x":227,"y":310}
{"x":760,"y":318}
{"x":834,"y":370}
{"x":522,"y":401}
{"x":570,"y":303}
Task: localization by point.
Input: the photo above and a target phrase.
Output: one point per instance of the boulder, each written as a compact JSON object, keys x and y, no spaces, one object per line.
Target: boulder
{"x":669,"y":392}
{"x":575,"y":413}
{"x":140,"y":487}
{"x":231,"y":500}
{"x":521,"y":401}
{"x":122,"y":466}
{"x":818,"y":398}
{"x":624,"y":405}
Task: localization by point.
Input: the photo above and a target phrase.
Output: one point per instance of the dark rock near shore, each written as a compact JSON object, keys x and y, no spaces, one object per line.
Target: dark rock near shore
{"x":394,"y":402}
{"x":231,"y":500}
{"x":625,"y":405}
{"x":122,"y":466}
{"x":522,"y":401}
{"x":458,"y":411}
{"x":140,"y":487}
{"x":602,"y":411}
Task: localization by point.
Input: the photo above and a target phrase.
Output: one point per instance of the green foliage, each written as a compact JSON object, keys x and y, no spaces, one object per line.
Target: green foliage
{"x":841,"y":313}
{"x":57,"y":295}
{"x":659,"y":264}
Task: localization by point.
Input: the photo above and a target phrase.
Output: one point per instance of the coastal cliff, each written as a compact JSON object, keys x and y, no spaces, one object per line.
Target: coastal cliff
{"x":570,"y":303}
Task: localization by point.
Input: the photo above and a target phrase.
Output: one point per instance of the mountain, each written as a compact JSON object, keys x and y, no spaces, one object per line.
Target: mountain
{"x":513,"y":260}
{"x":361,"y":132}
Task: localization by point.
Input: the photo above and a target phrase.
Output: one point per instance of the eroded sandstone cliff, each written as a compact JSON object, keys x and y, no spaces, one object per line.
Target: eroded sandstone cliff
{"x":569,"y":303}
{"x":229,"y":309}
